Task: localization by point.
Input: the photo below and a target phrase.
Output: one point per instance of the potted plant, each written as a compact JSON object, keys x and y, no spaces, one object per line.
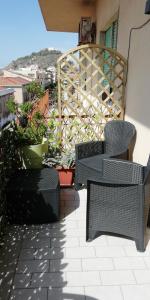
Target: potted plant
{"x":30,"y":130}
{"x":66,"y":167}
{"x":64,"y":162}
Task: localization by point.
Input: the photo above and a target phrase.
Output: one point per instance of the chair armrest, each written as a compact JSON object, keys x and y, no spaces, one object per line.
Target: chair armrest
{"x":122,"y":171}
{"x":108,"y":182}
{"x":122,"y":155}
{"x":87,"y":149}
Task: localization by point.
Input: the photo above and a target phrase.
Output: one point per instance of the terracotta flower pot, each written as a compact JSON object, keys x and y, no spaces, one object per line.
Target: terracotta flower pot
{"x":66,"y":176}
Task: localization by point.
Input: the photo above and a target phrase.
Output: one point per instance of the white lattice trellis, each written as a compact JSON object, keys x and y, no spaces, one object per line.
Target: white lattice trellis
{"x":91,"y":88}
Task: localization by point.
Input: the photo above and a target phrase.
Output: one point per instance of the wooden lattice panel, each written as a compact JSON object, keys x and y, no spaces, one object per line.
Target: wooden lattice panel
{"x":91,"y":88}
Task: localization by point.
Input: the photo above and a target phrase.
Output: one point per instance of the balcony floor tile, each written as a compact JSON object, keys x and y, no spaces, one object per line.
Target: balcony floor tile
{"x":54,"y":261}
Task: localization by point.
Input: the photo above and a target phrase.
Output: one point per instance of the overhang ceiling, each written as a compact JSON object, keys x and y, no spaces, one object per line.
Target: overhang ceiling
{"x":65,"y":15}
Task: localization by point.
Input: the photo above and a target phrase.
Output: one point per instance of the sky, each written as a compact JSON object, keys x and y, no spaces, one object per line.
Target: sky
{"x":22,"y":31}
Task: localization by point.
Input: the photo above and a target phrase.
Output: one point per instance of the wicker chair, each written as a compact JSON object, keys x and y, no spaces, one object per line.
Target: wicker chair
{"x":120,"y":202}
{"x":89,"y":155}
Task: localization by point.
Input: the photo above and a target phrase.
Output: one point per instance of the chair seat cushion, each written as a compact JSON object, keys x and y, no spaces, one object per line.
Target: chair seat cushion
{"x":94,"y":162}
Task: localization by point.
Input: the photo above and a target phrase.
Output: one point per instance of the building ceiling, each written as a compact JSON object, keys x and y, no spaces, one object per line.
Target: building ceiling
{"x":65,"y":15}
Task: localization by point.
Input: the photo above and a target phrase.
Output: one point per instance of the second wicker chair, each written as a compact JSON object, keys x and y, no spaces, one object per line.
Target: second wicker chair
{"x":89,"y":156}
{"x":119,"y":203}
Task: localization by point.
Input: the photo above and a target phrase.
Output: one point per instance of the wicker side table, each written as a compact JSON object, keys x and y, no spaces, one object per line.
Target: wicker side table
{"x":33,"y":196}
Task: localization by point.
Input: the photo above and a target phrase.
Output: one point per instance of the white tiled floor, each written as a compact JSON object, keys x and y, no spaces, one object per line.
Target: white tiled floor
{"x":54,"y":261}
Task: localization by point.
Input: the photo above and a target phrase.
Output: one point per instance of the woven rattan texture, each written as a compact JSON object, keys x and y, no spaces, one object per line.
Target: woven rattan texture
{"x":120,"y":202}
{"x":118,"y":136}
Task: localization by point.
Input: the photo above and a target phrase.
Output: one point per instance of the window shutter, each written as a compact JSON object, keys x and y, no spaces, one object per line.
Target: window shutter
{"x":108,"y":37}
{"x":114,"y":34}
{"x":110,"y":42}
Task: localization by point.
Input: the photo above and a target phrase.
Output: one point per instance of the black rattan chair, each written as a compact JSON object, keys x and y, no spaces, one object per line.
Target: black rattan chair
{"x":89,"y":155}
{"x":120,"y":202}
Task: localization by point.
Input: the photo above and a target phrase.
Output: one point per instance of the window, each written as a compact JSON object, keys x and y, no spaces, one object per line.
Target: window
{"x":108,"y":38}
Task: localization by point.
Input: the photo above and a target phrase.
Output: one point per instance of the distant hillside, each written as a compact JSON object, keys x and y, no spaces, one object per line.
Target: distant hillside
{"x":44,"y":59}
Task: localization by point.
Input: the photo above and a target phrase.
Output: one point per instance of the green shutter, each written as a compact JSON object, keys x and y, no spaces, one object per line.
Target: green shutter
{"x":108,"y":37}
{"x":114,"y":34}
{"x":110,"y":42}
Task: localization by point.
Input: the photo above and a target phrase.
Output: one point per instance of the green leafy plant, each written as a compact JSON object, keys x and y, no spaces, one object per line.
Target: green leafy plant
{"x":64,"y":160}
{"x":11,"y":105}
{"x":29,"y":127}
{"x":26,"y":108}
{"x":53,"y":91}
{"x":54,"y":136}
{"x":68,"y":160}
{"x":32,"y":134}
{"x":35,"y":91}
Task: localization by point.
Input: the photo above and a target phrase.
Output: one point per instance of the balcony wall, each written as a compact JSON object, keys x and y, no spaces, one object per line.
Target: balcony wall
{"x":137,"y":95}
{"x":131,"y":14}
{"x":105,"y":12}
{"x":43,"y":105}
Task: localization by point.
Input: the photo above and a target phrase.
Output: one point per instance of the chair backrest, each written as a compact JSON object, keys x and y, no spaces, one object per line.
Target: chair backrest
{"x":118,"y":136}
{"x":123,"y":171}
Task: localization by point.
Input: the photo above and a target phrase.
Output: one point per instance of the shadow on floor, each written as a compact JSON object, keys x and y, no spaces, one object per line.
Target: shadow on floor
{"x":32,"y":257}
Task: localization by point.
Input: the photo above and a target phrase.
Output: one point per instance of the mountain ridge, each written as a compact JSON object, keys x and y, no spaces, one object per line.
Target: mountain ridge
{"x":44,"y":58}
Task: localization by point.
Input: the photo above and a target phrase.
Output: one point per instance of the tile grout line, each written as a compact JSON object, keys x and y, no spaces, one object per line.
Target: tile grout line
{"x":31,"y":279}
{"x":100,"y":278}
{"x":82,"y":269}
{"x":146,"y":265}
{"x":49,"y":267}
{"x":11,"y":288}
{"x":84,"y":292}
{"x":113,"y":263}
{"x":121,"y":291}
{"x":95,"y":251}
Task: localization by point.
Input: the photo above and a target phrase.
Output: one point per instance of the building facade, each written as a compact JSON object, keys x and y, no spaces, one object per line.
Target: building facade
{"x":130,"y":14}
{"x":5,"y":115}
{"x":121,"y":25}
{"x":18,"y":84}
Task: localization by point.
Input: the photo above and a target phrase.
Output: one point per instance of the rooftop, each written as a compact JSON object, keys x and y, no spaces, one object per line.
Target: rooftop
{"x":13,"y":81}
{"x":5,"y":91}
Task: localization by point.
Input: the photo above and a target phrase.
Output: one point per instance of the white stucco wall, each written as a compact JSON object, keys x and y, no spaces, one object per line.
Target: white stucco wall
{"x":137,"y":91}
{"x":131,"y":14}
{"x":18,"y":94}
{"x":105,"y":10}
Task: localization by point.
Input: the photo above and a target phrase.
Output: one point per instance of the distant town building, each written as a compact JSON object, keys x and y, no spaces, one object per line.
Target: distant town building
{"x":5,"y":115}
{"x":18,"y":84}
{"x":51,"y":74}
{"x":12,"y":73}
{"x":45,"y":77}
{"x":29,"y":71}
